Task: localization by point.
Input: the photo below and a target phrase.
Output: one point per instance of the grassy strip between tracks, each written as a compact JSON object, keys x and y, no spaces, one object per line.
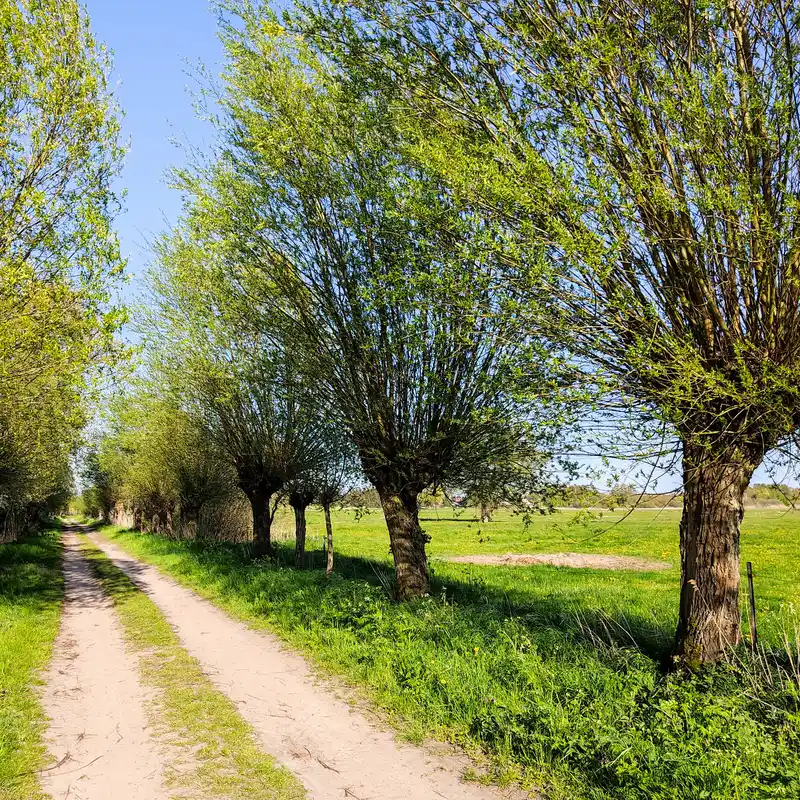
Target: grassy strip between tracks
{"x":216,"y":751}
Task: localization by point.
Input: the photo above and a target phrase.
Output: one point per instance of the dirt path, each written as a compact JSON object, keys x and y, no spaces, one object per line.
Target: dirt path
{"x":332,"y":748}
{"x":98,"y":733}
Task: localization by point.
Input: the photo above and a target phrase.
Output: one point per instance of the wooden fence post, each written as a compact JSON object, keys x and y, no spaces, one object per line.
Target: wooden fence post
{"x":752,"y":606}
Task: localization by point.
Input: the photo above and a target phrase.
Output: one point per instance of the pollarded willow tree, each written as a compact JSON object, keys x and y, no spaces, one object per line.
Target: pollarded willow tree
{"x":158,"y":461}
{"x":649,"y":151}
{"x":245,"y":393}
{"x":59,"y":156}
{"x":350,"y":255}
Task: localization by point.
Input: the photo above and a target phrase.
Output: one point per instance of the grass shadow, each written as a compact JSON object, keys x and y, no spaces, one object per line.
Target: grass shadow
{"x":30,"y":570}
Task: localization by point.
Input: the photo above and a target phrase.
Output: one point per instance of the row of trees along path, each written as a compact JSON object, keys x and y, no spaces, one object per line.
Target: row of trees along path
{"x":440,"y":229}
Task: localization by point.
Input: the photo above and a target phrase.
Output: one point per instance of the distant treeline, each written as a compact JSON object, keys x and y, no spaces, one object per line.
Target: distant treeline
{"x":625,"y":496}
{"x":762,"y":495}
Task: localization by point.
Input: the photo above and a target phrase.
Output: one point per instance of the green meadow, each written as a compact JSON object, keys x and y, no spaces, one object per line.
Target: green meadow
{"x":555,"y":677}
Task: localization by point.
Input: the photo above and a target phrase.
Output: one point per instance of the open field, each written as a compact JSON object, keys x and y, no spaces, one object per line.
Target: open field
{"x":770,"y":539}
{"x":30,"y":603}
{"x":556,"y":673}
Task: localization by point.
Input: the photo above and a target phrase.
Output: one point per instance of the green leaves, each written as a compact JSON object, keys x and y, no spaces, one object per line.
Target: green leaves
{"x":640,"y":158}
{"x":357,"y":260}
{"x":156,"y":457}
{"x":59,"y":258}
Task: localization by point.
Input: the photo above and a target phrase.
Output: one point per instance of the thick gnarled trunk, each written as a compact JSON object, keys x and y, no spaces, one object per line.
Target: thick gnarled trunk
{"x":408,"y":541}
{"x":714,"y":487}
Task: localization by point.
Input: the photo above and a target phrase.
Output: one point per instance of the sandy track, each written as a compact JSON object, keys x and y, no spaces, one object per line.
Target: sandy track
{"x":332,"y":748}
{"x":98,"y":728}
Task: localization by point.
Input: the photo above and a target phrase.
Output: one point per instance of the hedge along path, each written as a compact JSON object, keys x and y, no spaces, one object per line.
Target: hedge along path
{"x":331,"y":747}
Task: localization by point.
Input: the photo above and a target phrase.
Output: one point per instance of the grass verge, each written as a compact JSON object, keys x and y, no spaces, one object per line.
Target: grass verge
{"x":31,"y":592}
{"x":571,"y":698}
{"x":221,"y":757}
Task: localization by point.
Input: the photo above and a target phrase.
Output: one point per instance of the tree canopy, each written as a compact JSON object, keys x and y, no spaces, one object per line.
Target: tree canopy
{"x":59,"y":155}
{"x":646,"y":154}
{"x":365,"y":267}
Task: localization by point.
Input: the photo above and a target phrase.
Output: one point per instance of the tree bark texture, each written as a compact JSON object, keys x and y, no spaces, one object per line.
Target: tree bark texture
{"x":262,"y":523}
{"x":408,"y":541}
{"x":299,"y":501}
{"x":299,"y":536}
{"x":710,"y":617}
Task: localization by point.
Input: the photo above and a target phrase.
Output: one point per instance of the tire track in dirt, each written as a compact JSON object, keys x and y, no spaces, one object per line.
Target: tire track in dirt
{"x":98,"y":733}
{"x":331,"y":747}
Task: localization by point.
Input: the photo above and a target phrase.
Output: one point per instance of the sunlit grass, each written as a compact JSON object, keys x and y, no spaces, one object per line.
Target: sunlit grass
{"x":31,"y":591}
{"x":770,"y":540}
{"x":557,"y":674}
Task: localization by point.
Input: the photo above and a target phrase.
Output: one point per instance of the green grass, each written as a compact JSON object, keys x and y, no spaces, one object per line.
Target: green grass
{"x":557,"y":674}
{"x":220,"y":757}
{"x":31,"y":591}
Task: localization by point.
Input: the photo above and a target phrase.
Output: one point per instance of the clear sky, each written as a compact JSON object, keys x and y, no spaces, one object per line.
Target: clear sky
{"x":152,"y":41}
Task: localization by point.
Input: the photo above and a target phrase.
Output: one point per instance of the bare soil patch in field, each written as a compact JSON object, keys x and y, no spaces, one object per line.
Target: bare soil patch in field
{"x":585,"y":560}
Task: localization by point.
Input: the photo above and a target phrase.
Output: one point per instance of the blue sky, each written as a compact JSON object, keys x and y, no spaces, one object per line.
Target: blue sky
{"x":152,"y":42}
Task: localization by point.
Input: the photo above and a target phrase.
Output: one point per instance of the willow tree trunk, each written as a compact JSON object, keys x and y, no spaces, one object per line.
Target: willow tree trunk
{"x":714,"y":487}
{"x":486,"y":513}
{"x":189,"y":521}
{"x":329,"y":539}
{"x":300,"y":500}
{"x":299,"y":536}
{"x":262,"y":524}
{"x":408,"y":541}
